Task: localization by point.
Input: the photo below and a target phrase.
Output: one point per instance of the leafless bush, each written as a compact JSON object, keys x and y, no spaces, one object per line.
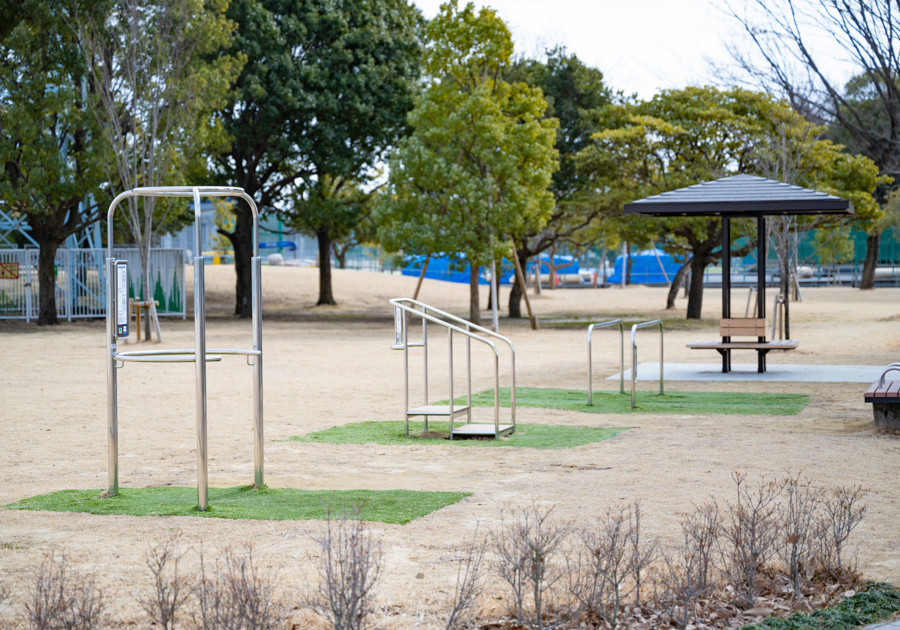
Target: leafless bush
{"x":468,"y":581}
{"x":604,"y":565}
{"x":237,"y":596}
{"x":797,"y":524}
{"x":643,"y":553}
{"x":528,"y":545}
{"x":348,"y":567}
{"x":749,"y":534}
{"x":701,"y":530}
{"x":63,"y":598}
{"x":842,"y":511}
{"x":5,"y":600}
{"x":171,"y":589}
{"x":682,"y":580}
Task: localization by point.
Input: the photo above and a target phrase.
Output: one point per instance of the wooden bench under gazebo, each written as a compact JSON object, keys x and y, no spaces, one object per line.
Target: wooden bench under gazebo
{"x":741,"y":196}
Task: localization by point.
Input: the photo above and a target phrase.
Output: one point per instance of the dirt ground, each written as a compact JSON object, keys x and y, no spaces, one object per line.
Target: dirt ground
{"x":328,"y":366}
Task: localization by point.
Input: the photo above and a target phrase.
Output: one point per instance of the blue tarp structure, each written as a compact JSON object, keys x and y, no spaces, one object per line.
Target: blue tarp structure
{"x":438,"y":269}
{"x":645,"y":268}
{"x":509,"y":274}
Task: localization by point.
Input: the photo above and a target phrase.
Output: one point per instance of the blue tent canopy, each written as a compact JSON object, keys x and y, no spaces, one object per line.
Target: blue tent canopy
{"x":646,"y":268}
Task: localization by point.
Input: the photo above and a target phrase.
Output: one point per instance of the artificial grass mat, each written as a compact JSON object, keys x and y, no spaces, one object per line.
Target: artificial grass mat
{"x":878,"y":602}
{"x":247,"y":502}
{"x":693,"y":403}
{"x":390,"y":433}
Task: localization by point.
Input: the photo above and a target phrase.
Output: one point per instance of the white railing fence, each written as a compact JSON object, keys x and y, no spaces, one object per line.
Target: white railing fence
{"x":81,"y":281}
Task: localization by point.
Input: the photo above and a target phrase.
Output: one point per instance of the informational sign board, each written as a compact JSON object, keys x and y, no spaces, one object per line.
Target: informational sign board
{"x":9,"y":270}
{"x":122,"y":298}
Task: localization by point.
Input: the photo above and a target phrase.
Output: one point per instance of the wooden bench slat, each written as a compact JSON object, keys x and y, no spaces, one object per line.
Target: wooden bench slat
{"x":786,"y":344}
{"x":872,"y":389}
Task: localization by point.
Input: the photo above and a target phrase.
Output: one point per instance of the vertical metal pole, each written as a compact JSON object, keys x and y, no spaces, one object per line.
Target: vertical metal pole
{"x":661,"y":361}
{"x":469,"y":377}
{"x":726,"y":286}
{"x":512,"y":389}
{"x":633,"y":372}
{"x":258,"y":435}
{"x":425,"y":353}
{"x":200,"y":363}
{"x":450,"y":346}
{"x":496,"y":395}
{"x":590,"y":368}
{"x":112,"y":399}
{"x":494,"y":311}
{"x":405,"y":334}
{"x":621,"y":357}
{"x":761,"y":283}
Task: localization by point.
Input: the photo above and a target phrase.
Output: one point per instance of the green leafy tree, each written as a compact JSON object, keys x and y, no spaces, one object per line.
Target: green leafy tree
{"x":51,"y":147}
{"x":475,"y":172}
{"x":574,"y":93}
{"x":684,"y":137}
{"x":324,"y":93}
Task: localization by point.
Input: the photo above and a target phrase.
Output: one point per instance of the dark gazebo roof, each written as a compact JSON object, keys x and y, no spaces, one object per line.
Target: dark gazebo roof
{"x":737,"y":196}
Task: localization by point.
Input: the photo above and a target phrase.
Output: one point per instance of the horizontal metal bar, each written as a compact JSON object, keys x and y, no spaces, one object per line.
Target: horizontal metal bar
{"x":187,"y":191}
{"x":166,"y":358}
{"x":155,"y":353}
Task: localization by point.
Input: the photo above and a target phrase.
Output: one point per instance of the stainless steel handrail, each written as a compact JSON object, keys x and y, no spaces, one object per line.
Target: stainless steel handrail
{"x":486,"y":331}
{"x":590,"y":330}
{"x":199,"y":355}
{"x":634,"y":361}
{"x":893,"y":367}
{"x":402,"y":306}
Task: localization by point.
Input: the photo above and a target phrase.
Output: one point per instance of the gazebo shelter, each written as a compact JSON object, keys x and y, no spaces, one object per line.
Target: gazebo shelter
{"x":741,"y":196}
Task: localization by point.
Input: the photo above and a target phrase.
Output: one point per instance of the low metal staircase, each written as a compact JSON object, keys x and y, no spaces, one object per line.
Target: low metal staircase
{"x":404,"y":308}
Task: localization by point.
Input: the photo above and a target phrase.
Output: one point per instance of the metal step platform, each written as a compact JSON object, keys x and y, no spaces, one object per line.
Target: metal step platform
{"x":438,"y":410}
{"x":483,"y":430}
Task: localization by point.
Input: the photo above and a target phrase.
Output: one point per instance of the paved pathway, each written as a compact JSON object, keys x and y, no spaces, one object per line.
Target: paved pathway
{"x":747,"y":372}
{"x":887,"y":625}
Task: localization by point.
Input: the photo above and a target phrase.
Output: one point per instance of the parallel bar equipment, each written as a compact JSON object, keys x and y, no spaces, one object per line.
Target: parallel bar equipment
{"x":634,"y":356}
{"x":590,"y":330}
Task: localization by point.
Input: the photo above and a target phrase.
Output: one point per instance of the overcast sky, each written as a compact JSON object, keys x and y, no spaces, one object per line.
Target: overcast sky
{"x":640,"y":45}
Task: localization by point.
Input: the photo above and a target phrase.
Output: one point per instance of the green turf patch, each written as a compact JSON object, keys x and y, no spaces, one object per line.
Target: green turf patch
{"x":878,"y":602}
{"x":693,"y":403}
{"x":270,"y":504}
{"x":391,"y":433}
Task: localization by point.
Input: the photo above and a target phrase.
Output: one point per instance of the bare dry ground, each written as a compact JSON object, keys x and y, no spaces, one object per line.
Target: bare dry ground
{"x":333,"y":365}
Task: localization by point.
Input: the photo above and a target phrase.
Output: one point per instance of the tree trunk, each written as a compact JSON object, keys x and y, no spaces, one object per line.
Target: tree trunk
{"x":147,"y":296}
{"x":873,"y":244}
{"x":341,"y":255}
{"x":47,"y":282}
{"x":695,"y":297}
{"x":676,"y":284}
{"x":325,"y":295}
{"x":474,"y":306}
{"x":628,"y":263}
{"x":785,"y":290}
{"x":242,"y":244}
{"x":515,"y":295}
{"x":552,"y":268}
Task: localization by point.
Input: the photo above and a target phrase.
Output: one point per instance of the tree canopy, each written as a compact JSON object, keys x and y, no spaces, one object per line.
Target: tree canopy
{"x":476,"y":169}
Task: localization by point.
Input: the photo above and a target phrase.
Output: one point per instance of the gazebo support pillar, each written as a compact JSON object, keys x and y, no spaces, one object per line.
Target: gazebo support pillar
{"x":761,"y":283}
{"x":726,"y":286}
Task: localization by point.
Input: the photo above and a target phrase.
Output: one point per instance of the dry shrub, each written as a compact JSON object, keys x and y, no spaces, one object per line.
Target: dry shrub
{"x":63,"y":598}
{"x":604,"y":564}
{"x":529,"y":545}
{"x":236,"y":596}
{"x":842,"y":510}
{"x":171,"y":589}
{"x":468,"y":584}
{"x":798,"y":529}
{"x":348,"y":567}
{"x":748,"y":536}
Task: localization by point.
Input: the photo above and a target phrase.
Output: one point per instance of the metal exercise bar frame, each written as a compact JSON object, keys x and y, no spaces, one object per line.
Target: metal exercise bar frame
{"x":590,"y":330}
{"x":401,"y":306}
{"x":469,"y":327}
{"x":634,"y":359}
{"x":199,"y":355}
